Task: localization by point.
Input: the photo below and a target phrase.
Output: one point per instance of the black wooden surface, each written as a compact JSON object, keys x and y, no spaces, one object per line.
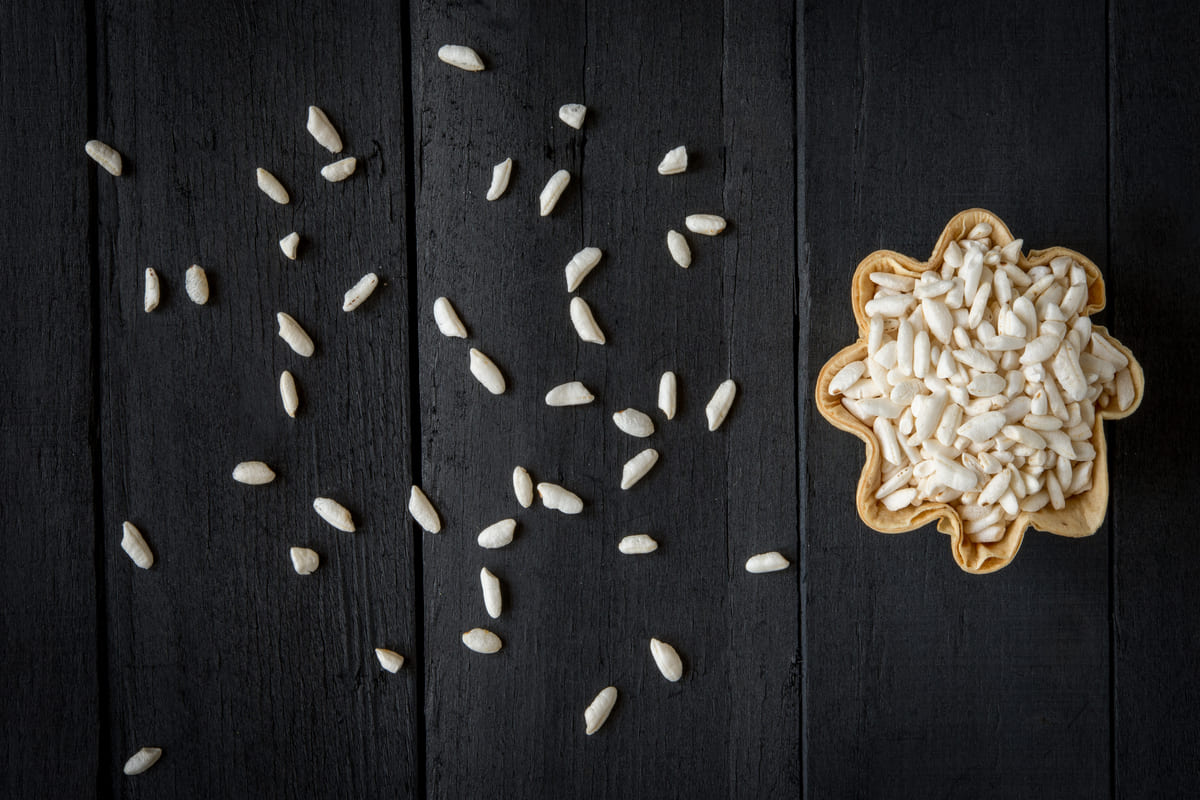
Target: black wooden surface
{"x":871,"y":668}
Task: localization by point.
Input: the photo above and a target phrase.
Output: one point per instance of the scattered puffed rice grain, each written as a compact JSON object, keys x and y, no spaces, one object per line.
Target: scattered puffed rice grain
{"x":636,"y":468}
{"x":766,"y":562}
{"x":271,"y":187}
{"x":142,"y":760}
{"x":482,"y":641}
{"x":447,"y":319}
{"x":290,"y":245}
{"x":500,"y":175}
{"x":674,"y":162}
{"x":597,"y":712}
{"x":304,"y":560}
{"x":253,"y":473}
{"x":498,"y":534}
{"x":323,"y":131}
{"x":196,"y":282}
{"x":461,"y":56}
{"x":580,"y":265}
{"x":634,"y":422}
{"x":287,"y":391}
{"x":637,"y":544}
{"x":291,"y":332}
{"x":486,"y":372}
{"x":706,"y":224}
{"x":135,"y":546}
{"x":389,"y":659}
{"x":360,"y":291}
{"x":667,"y":660}
{"x":523,"y":487}
{"x":573,"y":393}
{"x":334,"y":513}
{"x":105,"y":156}
{"x":492,"y":599}
{"x":557,"y":498}
{"x":666,"y":394}
{"x":585,"y":322}
{"x":423,"y":511}
{"x":553,"y":190}
{"x":339,"y":170}
{"x":678,"y":247}
{"x":573,"y":114}
{"x":153,"y":292}
{"x":718,"y":407}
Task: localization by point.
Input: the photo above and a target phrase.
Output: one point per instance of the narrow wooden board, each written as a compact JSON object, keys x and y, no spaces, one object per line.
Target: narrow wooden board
{"x":1154,"y":223}
{"x":579,"y":615}
{"x":52,"y":705}
{"x":922,"y":680}
{"x":253,"y":679}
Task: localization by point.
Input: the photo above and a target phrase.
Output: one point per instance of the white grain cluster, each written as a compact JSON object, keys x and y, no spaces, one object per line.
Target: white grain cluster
{"x":981,"y":383}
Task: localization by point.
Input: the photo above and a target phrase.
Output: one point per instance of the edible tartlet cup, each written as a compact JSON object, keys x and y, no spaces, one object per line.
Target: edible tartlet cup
{"x":1082,"y":513}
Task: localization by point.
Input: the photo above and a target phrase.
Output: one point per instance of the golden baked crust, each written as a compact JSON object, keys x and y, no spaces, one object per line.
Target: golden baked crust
{"x":1083,"y":512}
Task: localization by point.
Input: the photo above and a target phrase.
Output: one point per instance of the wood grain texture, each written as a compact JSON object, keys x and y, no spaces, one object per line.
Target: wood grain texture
{"x":579,"y":615}
{"x":253,"y":679}
{"x":51,"y":707}
{"x":922,"y":680}
{"x":1154,"y":94}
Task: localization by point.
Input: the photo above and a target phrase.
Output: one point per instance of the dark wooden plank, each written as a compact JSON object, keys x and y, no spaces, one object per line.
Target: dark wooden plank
{"x":579,"y":614}
{"x":1154,"y":224}
{"x":253,"y":679}
{"x":51,"y":706}
{"x":922,"y":680}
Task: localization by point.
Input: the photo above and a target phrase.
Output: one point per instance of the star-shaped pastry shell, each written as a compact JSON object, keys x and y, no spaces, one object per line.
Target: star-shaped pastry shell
{"x":1082,"y":513}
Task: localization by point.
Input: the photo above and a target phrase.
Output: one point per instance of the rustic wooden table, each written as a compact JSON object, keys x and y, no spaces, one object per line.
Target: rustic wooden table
{"x":873,"y":667}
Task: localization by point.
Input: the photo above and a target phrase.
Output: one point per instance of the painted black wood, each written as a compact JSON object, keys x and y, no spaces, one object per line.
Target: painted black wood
{"x":1154,"y":223}
{"x":253,"y":679}
{"x":50,"y":705}
{"x":579,"y":615}
{"x":822,"y":133}
{"x":922,"y":680}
